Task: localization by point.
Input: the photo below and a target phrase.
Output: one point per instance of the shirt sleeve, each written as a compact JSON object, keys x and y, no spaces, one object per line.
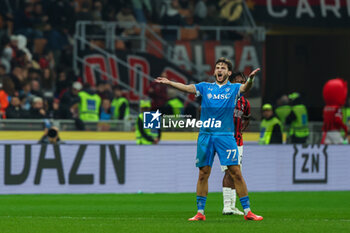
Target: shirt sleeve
{"x":200,"y":89}
{"x":236,"y":91}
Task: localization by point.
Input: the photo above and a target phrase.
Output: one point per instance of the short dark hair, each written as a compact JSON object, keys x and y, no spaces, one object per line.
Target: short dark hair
{"x":226,"y":61}
{"x":235,"y":74}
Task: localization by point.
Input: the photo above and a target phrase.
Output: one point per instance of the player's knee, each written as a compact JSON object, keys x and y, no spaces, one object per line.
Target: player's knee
{"x":237,"y":177}
{"x":236,"y":173}
{"x":204,"y":175}
{"x":227,"y":175}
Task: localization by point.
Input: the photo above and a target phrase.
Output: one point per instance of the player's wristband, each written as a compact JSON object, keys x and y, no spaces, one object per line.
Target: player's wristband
{"x":250,"y":80}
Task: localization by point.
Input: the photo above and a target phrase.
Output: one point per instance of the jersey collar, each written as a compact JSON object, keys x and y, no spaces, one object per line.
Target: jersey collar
{"x":220,"y":86}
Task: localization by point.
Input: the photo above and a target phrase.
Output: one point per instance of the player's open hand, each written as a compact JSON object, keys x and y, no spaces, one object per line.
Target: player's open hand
{"x":253,"y":73}
{"x":162,"y":80}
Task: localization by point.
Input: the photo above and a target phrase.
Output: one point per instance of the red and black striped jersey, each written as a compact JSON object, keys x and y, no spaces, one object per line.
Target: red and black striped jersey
{"x":242,"y":109}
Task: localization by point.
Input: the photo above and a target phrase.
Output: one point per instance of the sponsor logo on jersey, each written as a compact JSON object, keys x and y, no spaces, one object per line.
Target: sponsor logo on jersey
{"x":221,"y":96}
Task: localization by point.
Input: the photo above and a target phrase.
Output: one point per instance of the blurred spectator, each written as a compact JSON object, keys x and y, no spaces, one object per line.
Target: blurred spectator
{"x":212,"y":18}
{"x":18,"y":76}
{"x":6,"y":53}
{"x":282,"y":111}
{"x":52,"y":107}
{"x":40,"y":19}
{"x":90,"y":103}
{"x":2,"y":72}
{"x":62,"y":83}
{"x":283,"y":108}
{"x":69,"y":102}
{"x":47,"y":79}
{"x":104,"y":90}
{"x":34,"y":74}
{"x":57,"y":42}
{"x":108,"y":90}
{"x":184,"y":4}
{"x":6,"y":17}
{"x":14,"y":110}
{"x":140,"y":7}
{"x":24,"y":22}
{"x":37,"y":110}
{"x":36,"y":89}
{"x":9,"y":87}
{"x":61,"y":13}
{"x":14,"y":44}
{"x":97,"y":11}
{"x":120,"y":105}
{"x":170,"y":13}
{"x":22,"y":45}
{"x":4,"y":102}
{"x":270,"y":127}
{"x":158,"y":94}
{"x":174,"y":105}
{"x":47,"y":60}
{"x":21,"y":60}
{"x":84,"y":13}
{"x":127,"y":21}
{"x":26,"y":95}
{"x":170,"y":16}
{"x":200,"y":12}
{"x":106,"y":110}
{"x":110,"y":14}
{"x":298,"y":120}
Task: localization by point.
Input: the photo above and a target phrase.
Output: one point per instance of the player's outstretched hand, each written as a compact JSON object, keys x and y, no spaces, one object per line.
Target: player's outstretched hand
{"x":162,"y":80}
{"x":253,"y":73}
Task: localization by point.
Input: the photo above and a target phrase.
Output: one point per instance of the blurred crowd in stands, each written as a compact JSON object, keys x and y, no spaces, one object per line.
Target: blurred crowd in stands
{"x":36,"y":44}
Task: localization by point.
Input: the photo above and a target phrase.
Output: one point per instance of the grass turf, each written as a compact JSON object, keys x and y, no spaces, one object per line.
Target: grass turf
{"x":282,"y":211}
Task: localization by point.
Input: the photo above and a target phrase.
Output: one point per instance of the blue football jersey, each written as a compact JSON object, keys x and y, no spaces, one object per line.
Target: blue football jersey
{"x":218,"y":104}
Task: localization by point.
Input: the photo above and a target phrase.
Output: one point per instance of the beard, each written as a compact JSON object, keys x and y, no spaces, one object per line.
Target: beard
{"x":225,"y":77}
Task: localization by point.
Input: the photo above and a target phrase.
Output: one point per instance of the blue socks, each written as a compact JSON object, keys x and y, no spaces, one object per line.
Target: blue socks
{"x":245,"y":204}
{"x":201,"y":203}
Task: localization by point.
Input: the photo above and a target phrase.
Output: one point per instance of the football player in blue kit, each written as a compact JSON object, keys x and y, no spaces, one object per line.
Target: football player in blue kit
{"x":218,"y":103}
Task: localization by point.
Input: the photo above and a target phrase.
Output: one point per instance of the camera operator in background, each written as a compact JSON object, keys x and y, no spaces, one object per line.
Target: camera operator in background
{"x":50,"y":136}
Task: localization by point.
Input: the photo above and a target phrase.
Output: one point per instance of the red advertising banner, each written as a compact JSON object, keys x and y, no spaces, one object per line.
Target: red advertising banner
{"x":244,"y":55}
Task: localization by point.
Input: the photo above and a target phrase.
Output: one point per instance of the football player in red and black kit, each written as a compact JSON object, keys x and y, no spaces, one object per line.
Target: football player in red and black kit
{"x":241,"y":121}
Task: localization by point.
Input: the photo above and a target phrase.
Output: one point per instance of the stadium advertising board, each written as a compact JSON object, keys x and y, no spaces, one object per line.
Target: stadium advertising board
{"x":321,"y":13}
{"x":246,"y":55}
{"x":146,"y":63}
{"x":93,"y":168}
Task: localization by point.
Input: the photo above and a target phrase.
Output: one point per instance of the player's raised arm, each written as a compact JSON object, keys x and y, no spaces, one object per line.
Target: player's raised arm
{"x":180,"y":86}
{"x":246,"y":87}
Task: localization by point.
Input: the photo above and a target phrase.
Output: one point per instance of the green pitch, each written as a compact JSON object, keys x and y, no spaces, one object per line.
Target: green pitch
{"x":283,"y":212}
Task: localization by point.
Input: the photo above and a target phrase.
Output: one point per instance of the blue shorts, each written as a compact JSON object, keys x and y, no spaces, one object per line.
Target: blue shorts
{"x":225,"y":146}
